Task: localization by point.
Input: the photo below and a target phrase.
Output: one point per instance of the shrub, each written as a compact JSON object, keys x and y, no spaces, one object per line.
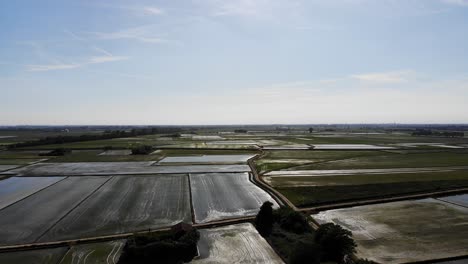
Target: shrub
{"x":142,"y":150}
{"x":335,"y":242}
{"x":57,"y":152}
{"x":264,"y":219}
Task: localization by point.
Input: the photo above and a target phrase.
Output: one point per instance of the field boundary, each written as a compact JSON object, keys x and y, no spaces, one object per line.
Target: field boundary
{"x":74,"y":207}
{"x":72,"y":242}
{"x":65,"y":177}
{"x":319,"y":208}
{"x":264,"y":186}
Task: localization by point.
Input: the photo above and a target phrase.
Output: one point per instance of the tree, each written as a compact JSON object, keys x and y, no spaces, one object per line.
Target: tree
{"x":335,"y":242}
{"x":305,"y":251}
{"x":264,"y":220}
{"x":311,"y":129}
{"x":142,"y":150}
{"x":291,"y":220}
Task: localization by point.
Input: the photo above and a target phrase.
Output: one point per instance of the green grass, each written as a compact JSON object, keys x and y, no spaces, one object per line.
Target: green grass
{"x":188,"y":152}
{"x":272,"y":166}
{"x":16,"y":161}
{"x":391,"y":160}
{"x":317,"y":154}
{"x":319,"y":195}
{"x":359,"y":179}
{"x":92,"y":156}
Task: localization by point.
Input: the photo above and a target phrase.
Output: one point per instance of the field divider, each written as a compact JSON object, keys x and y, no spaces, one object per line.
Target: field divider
{"x":73,"y":208}
{"x":264,"y":186}
{"x":452,"y":203}
{"x":192,"y":210}
{"x":66,"y":177}
{"x":319,"y":208}
{"x":73,"y":242}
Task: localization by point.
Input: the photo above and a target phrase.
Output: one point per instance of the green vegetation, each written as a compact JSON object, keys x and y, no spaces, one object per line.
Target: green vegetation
{"x":93,"y":156}
{"x":172,"y":247}
{"x":319,"y":195}
{"x":395,"y":160}
{"x":359,"y":179}
{"x":142,"y":150}
{"x":293,"y":239}
{"x":264,"y":219}
{"x":57,"y":152}
{"x":318,"y":154}
{"x":61,"y":139}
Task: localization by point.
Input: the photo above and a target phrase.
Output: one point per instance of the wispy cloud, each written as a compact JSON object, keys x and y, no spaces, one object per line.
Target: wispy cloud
{"x":456,"y":2}
{"x":151,"y":10}
{"x":63,"y":66}
{"x":383,"y":77}
{"x":142,"y":34}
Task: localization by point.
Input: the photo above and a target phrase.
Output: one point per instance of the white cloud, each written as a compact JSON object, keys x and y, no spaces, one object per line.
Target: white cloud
{"x":142,"y":34}
{"x":52,"y":67}
{"x":61,"y":66}
{"x":383,"y":77}
{"x":150,"y":10}
{"x":102,"y":59}
{"x":456,"y":2}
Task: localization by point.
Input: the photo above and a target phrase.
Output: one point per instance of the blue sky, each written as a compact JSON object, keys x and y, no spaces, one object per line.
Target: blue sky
{"x":233,"y":62}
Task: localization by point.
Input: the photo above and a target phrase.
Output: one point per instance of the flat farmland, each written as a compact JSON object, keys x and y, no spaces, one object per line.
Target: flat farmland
{"x":405,"y":231}
{"x":395,"y":160}
{"x":94,"y":253}
{"x":38,"y":256}
{"x":16,"y":188}
{"x":218,"y":196}
{"x":239,"y":243}
{"x":7,"y":167}
{"x":84,"y":168}
{"x":120,"y":168}
{"x":26,"y":220}
{"x":461,"y":200}
{"x":360,"y":179}
{"x":207,"y":159}
{"x":127,"y":204}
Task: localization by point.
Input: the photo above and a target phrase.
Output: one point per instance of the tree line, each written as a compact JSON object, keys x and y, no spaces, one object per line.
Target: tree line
{"x":109,"y":134}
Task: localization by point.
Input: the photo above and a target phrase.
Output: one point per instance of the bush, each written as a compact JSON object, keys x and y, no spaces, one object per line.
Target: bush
{"x":57,"y":152}
{"x":170,"y":248}
{"x":305,"y":251}
{"x":264,"y":219}
{"x":142,"y":150}
{"x":335,"y":242}
{"x":292,"y":221}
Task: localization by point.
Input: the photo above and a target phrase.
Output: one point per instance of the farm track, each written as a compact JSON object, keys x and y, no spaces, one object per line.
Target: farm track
{"x":53,"y":244}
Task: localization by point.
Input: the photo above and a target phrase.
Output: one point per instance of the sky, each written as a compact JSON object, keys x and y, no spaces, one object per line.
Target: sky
{"x":208,"y":62}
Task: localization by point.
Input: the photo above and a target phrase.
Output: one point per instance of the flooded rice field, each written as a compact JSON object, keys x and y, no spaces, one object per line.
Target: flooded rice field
{"x":239,"y":243}
{"x":230,"y":159}
{"x":116,"y":152}
{"x":14,"y":189}
{"x":461,"y":199}
{"x":38,"y":256}
{"x":27,"y":220}
{"x":127,"y":204}
{"x":7,"y":167}
{"x":94,"y":253}
{"x":120,"y":168}
{"x":228,"y":195}
{"x":405,"y":231}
